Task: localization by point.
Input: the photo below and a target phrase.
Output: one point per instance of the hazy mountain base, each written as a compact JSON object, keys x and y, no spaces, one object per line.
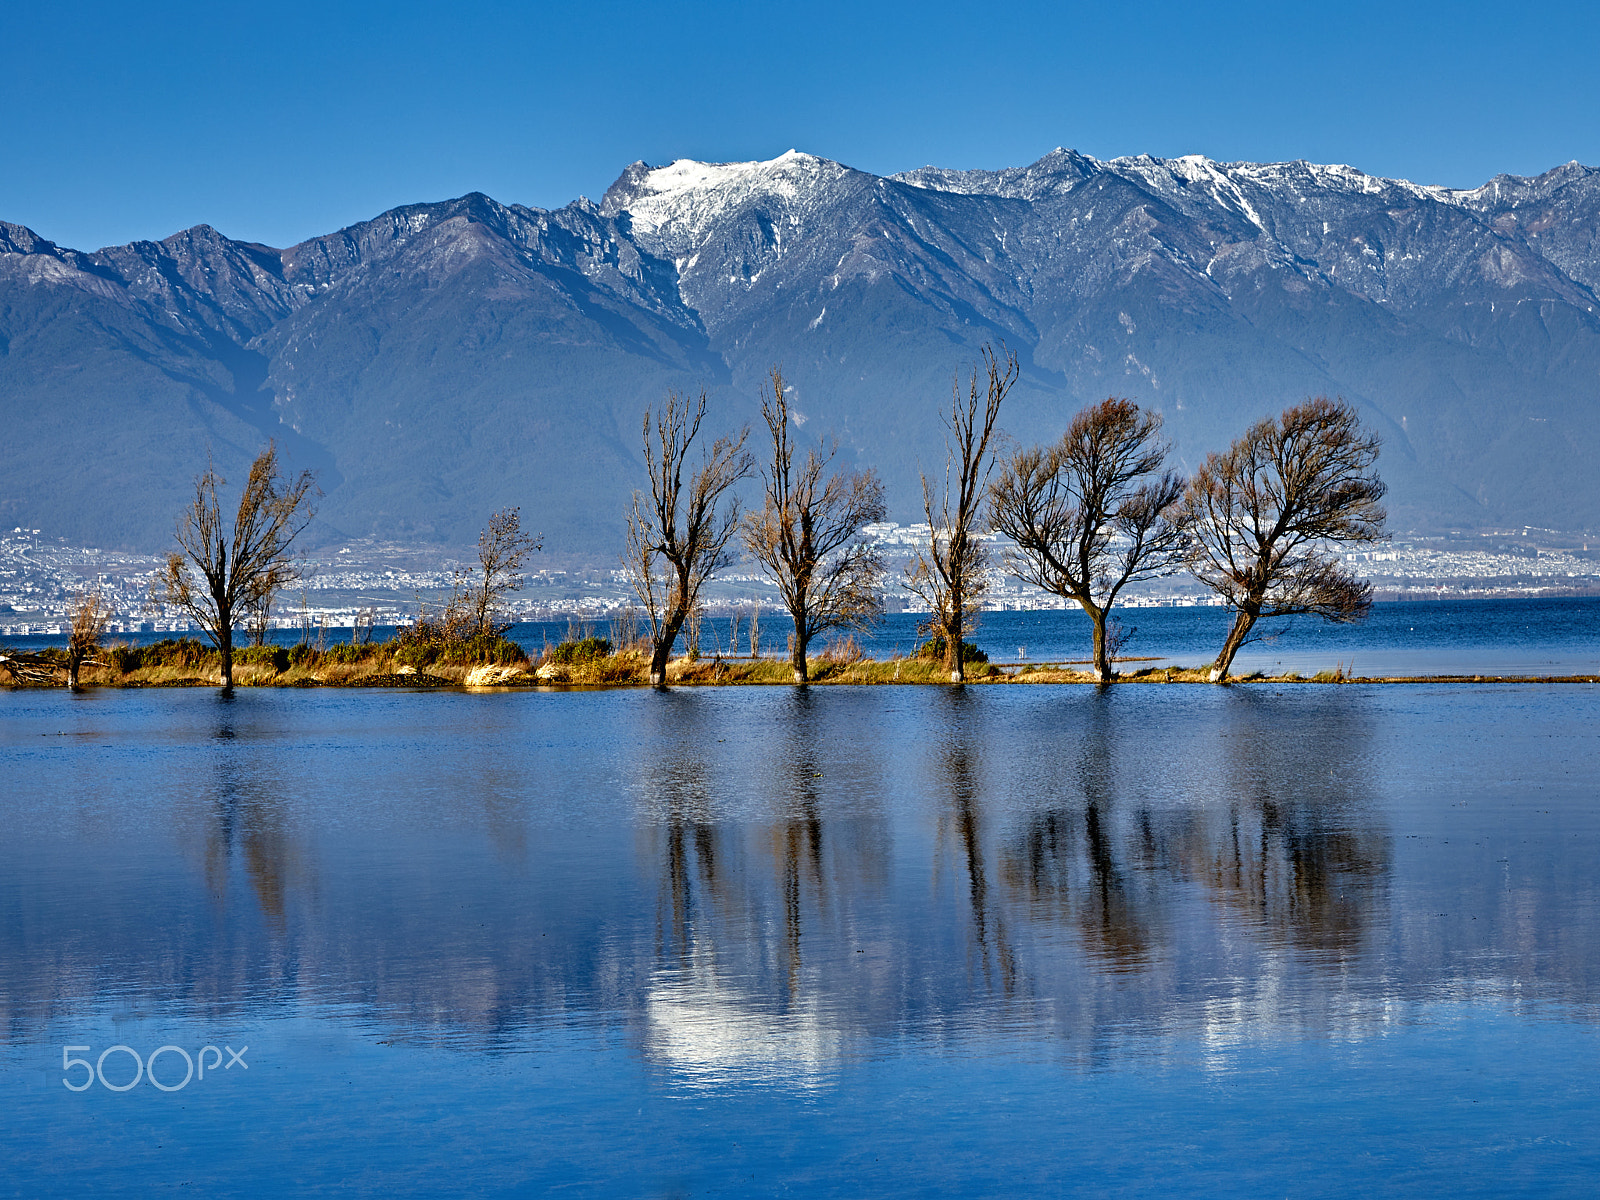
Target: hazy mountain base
{"x":444,"y":360}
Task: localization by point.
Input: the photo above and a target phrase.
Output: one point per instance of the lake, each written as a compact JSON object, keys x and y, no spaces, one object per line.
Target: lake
{"x":1261,"y":940}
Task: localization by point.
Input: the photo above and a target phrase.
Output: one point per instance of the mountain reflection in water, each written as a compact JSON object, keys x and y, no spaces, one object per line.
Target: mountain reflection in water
{"x":1039,"y":870}
{"x":767,"y":885}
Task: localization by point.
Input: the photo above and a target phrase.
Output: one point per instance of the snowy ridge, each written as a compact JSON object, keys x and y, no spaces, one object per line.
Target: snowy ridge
{"x":1058,"y":171}
{"x":1224,"y":180}
{"x":1466,"y":322}
{"x":676,"y":206}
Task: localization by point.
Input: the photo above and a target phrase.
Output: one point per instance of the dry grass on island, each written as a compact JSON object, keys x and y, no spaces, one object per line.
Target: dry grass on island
{"x":408,"y":661}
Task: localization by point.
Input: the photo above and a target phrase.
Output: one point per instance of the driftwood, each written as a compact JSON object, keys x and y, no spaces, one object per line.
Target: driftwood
{"x":28,"y":668}
{"x":39,"y":669}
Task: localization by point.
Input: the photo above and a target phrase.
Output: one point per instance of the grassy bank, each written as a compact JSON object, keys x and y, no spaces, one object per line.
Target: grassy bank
{"x":495,"y":663}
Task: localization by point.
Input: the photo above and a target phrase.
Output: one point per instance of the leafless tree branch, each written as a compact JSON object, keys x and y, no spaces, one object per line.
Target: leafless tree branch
{"x":503,"y":549}
{"x":1267,"y":514}
{"x":807,"y":535}
{"x":90,"y":616}
{"x":1095,"y":512}
{"x":220,"y":569}
{"x":950,"y":573}
{"x":678,"y":537}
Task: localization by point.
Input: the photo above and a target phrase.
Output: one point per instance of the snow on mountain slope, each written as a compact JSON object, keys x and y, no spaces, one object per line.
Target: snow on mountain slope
{"x":674,"y":208}
{"x":431,"y":352}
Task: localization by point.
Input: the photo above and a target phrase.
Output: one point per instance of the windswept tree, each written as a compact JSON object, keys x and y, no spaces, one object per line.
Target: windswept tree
{"x":1268,"y":515}
{"x":950,"y":574}
{"x":807,"y":535}
{"x":503,"y":549}
{"x":1094,"y":512}
{"x":220,"y":568}
{"x":678,"y":536}
{"x":90,"y":616}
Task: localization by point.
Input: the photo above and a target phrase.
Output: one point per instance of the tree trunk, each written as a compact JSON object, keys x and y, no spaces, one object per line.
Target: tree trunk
{"x":1242,"y":624}
{"x":661,"y":651}
{"x":225,"y":644}
{"x":73,"y":663}
{"x":1102,"y":664}
{"x":952,"y":638}
{"x":798,"y":658}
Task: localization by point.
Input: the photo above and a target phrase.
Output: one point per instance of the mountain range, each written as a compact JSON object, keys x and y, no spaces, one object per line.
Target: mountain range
{"x":444,"y":360}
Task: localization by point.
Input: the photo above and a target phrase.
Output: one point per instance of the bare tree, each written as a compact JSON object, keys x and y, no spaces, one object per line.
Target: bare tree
{"x":950,"y":573}
{"x":257,"y":608}
{"x":678,"y":538}
{"x":1091,"y":514}
{"x":502,"y":550}
{"x":807,"y":535}
{"x":1266,"y":515}
{"x":90,"y":616}
{"x":218,"y":570}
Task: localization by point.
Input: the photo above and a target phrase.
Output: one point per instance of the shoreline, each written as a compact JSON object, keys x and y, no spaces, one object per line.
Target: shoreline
{"x":869,"y":673}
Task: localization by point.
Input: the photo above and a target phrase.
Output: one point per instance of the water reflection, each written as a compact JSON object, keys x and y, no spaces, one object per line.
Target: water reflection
{"x":247,"y":821}
{"x":768,"y":884}
{"x":732,"y":996}
{"x":1298,"y":847}
{"x":960,"y":773}
{"x":796,"y":839}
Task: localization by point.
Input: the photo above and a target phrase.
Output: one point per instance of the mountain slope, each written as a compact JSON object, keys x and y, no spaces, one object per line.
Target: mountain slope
{"x":443,"y":360}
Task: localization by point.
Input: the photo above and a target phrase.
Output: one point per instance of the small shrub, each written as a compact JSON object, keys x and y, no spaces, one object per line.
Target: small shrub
{"x":186,"y":653}
{"x":416,"y":654}
{"x":303,"y":655}
{"x":627,"y":668}
{"x":349,"y":653}
{"x":581,"y":651}
{"x":276,"y":657}
{"x":123,"y":658}
{"x":934,"y":648}
{"x":483,"y":649}
{"x":841,"y":651}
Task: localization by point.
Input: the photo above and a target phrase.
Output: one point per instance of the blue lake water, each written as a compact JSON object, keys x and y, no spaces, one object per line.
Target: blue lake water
{"x":1254,"y":941}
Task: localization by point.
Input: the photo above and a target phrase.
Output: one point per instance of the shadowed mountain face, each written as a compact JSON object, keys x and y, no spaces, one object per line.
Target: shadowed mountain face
{"x":444,"y":360}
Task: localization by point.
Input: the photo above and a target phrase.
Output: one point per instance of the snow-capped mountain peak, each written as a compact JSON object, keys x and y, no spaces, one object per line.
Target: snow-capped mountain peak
{"x":681,"y":201}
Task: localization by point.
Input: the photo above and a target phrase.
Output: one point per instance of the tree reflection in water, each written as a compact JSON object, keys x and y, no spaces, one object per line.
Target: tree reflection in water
{"x":773,"y":871}
{"x":247,"y":819}
{"x":959,"y":758}
{"x":1067,"y":860}
{"x":809,"y":870}
{"x":1299,"y":854}
{"x":727,"y":999}
{"x":1269,"y":813}
{"x":797,"y":835}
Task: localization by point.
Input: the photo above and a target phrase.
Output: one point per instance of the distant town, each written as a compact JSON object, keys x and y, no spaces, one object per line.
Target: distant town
{"x":390,"y":584}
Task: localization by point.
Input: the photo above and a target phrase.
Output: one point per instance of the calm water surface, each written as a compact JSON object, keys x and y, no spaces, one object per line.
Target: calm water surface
{"x":891,"y":941}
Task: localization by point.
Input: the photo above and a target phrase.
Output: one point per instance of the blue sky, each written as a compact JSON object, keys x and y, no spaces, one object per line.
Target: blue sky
{"x":277,"y":122}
